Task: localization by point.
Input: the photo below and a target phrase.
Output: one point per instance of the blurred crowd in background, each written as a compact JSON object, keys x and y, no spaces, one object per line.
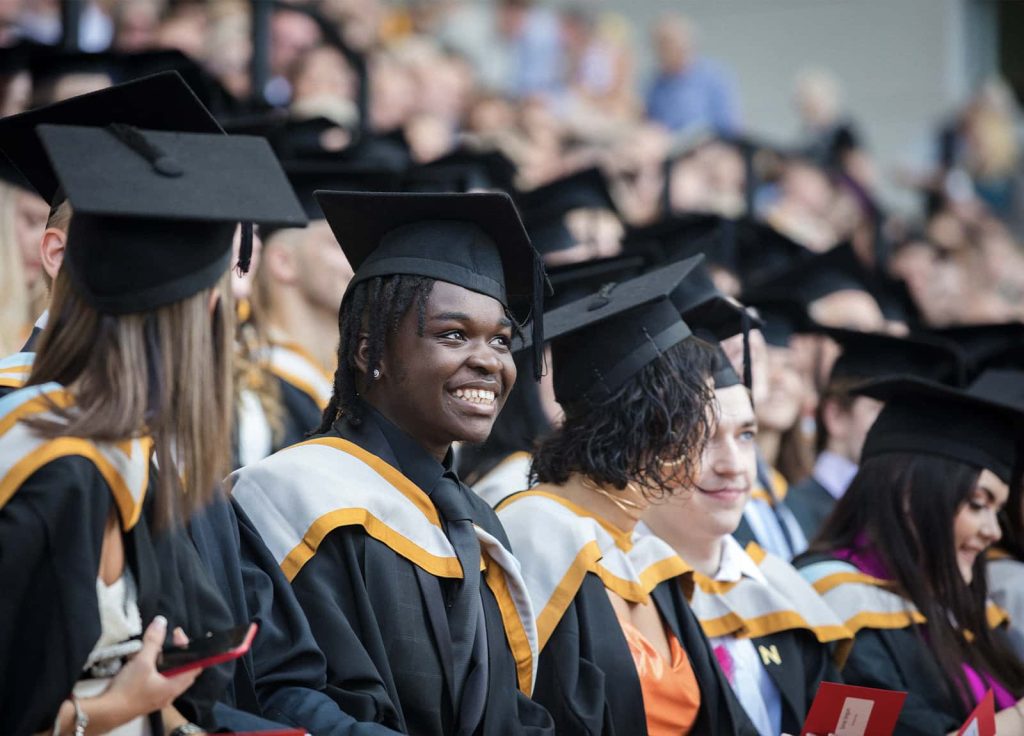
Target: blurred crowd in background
{"x":530,"y":93}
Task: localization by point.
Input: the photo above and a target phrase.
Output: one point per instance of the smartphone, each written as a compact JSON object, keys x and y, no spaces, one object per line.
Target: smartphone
{"x":214,"y":648}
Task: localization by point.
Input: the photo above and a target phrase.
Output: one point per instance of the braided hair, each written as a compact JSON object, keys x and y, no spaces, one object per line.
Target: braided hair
{"x":373,"y":307}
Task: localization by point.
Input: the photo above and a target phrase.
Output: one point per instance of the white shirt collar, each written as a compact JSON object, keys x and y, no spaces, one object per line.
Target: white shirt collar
{"x":736,"y":563}
{"x":43,"y":319}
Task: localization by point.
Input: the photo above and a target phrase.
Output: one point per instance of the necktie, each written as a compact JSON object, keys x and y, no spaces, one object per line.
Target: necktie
{"x":464,"y":603}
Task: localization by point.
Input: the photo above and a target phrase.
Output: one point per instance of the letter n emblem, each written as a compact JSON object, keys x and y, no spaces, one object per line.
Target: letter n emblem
{"x":769,"y":655}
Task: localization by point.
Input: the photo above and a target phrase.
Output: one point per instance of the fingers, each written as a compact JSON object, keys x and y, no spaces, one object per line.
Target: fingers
{"x":180,"y":683}
{"x":179,"y":638}
{"x":153,"y":639}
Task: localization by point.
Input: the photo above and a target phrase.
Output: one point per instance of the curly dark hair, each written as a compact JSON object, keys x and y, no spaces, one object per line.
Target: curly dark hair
{"x":660,"y":414}
{"x":373,"y":307}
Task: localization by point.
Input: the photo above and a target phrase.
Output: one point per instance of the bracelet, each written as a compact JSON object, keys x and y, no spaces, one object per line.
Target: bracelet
{"x":81,"y":717}
{"x":186,"y":729}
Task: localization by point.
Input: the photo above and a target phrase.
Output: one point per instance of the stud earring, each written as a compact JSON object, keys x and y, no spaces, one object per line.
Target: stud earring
{"x":376,"y":373}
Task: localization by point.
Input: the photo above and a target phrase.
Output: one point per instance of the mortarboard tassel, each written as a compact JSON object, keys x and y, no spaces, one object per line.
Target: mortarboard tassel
{"x":245,"y":249}
{"x":137,"y":141}
{"x":541,"y":287}
{"x":748,"y":375}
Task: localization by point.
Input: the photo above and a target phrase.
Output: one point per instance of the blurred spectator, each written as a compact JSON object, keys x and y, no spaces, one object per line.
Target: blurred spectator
{"x":22,"y":288}
{"x":135,"y":24}
{"x":599,"y":61}
{"x":689,"y":92}
{"x":292,"y":34}
{"x":532,"y":43}
{"x":323,"y":84}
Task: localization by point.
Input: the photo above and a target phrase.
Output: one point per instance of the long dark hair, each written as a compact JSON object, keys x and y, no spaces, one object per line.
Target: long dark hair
{"x":1011,"y":521}
{"x":659,"y":415}
{"x":521,"y":423}
{"x":902,"y":506}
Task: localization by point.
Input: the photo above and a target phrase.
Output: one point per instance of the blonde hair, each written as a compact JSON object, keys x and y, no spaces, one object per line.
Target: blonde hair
{"x":15,"y":301}
{"x":165,"y":373}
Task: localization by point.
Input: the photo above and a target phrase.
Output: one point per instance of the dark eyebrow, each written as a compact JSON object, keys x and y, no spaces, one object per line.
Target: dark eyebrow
{"x":504,"y":322}
{"x":451,"y":317}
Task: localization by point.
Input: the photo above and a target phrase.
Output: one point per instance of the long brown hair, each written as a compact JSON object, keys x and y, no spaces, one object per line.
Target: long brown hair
{"x":164,"y":373}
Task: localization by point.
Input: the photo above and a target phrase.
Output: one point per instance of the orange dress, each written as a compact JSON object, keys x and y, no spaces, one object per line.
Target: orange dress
{"x":670,"y":690}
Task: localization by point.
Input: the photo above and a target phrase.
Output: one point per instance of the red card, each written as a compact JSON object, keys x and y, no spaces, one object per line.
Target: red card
{"x":982,"y":721}
{"x":848,"y":710}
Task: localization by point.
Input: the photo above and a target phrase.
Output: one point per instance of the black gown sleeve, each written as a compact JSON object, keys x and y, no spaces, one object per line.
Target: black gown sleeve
{"x":51,"y":533}
{"x":898,"y":660}
{"x":333,"y":594}
{"x":288,"y":667}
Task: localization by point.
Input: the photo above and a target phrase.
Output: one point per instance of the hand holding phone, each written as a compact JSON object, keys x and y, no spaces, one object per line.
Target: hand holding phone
{"x":207,"y":651}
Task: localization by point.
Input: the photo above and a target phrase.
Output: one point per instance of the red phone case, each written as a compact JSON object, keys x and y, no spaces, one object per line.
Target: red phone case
{"x":217,"y":658}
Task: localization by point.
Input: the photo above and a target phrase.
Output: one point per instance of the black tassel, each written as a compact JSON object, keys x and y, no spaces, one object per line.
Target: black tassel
{"x":748,"y":374}
{"x":245,"y":249}
{"x":541,"y":287}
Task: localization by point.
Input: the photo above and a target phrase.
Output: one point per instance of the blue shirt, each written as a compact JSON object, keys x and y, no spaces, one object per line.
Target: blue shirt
{"x":699,"y":97}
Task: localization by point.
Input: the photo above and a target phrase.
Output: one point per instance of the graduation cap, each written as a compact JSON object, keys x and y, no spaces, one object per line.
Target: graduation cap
{"x":924,"y":417}
{"x":781,"y":319}
{"x":578,"y":280}
{"x":155,"y":211}
{"x":308,"y":177}
{"x":997,"y":345}
{"x":474,"y":240}
{"x":159,"y":102}
{"x":707,"y":310}
{"x":463,"y":170}
{"x":806,"y":281}
{"x":544,"y":208}
{"x":751,"y":250}
{"x":723,"y":374}
{"x":1002,"y":385}
{"x":874,"y":355}
{"x":600,"y":342}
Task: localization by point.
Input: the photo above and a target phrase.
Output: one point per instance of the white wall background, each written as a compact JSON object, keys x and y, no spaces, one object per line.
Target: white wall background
{"x":904,"y":64}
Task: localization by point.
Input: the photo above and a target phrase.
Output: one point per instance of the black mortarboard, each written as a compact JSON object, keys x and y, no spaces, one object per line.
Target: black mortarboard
{"x":1001,"y":385}
{"x":807,"y":281}
{"x":922,"y":417}
{"x":724,"y":375}
{"x":781,"y":319}
{"x":873,"y":355}
{"x":160,"y":102}
{"x":601,"y":341}
{"x":999,"y":345}
{"x":707,"y":310}
{"x":544,"y":208}
{"x":474,"y":240}
{"x":155,"y":211}
{"x":463,"y":170}
{"x":749,"y":249}
{"x":583,"y":189}
{"x":308,"y":176}
{"x":578,"y":280}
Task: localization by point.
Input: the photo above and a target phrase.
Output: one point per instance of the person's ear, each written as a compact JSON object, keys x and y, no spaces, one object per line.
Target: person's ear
{"x":836,"y":419}
{"x":362,"y":357}
{"x":279,"y":263}
{"x":51,"y":250}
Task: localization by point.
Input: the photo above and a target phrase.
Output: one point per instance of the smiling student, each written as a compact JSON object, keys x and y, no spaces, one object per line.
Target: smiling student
{"x":902,"y":558}
{"x":772,"y":633}
{"x":621,"y":652}
{"x":367,"y":519}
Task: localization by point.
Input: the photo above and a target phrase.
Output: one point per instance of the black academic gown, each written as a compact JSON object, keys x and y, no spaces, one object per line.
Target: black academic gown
{"x":356,"y":584}
{"x":900,"y":659}
{"x":811,"y":504}
{"x":51,"y":534}
{"x":802,"y":664}
{"x":588,"y":682}
{"x":301,"y":415}
{"x":283,"y":677}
